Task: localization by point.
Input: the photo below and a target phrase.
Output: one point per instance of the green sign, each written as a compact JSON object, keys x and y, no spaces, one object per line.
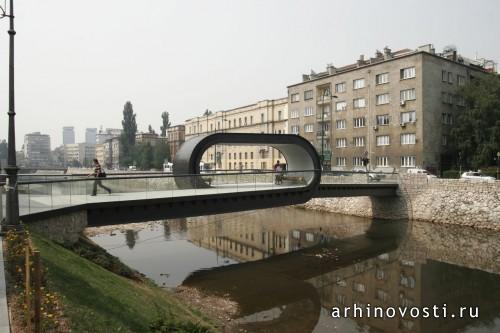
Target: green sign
{"x":327,"y":156}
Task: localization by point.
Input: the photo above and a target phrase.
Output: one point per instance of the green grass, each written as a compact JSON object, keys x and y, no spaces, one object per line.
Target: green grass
{"x":97,"y":300}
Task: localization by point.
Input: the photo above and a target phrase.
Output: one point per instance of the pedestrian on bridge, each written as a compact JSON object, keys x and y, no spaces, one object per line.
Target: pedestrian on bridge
{"x":98,"y":173}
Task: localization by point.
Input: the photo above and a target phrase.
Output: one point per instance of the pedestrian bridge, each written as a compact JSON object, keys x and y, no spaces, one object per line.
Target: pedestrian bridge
{"x":141,"y":197}
{"x":188,"y":192}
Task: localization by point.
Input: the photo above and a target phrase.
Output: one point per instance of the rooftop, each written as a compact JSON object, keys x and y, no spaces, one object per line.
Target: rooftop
{"x":449,"y":53}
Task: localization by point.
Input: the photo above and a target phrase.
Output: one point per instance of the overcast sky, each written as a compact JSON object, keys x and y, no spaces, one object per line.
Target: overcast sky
{"x":78,"y":62}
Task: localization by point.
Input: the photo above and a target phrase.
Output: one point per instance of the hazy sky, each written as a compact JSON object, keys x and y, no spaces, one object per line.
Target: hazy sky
{"x":78,"y":62}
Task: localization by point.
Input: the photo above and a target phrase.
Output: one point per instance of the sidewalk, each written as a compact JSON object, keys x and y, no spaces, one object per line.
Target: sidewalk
{"x":4,"y":313}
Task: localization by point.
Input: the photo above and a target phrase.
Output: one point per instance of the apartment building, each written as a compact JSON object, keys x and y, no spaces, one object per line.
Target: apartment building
{"x":37,"y":149}
{"x":176,"y":137}
{"x":82,"y":153}
{"x":268,"y":116}
{"x":396,"y":108}
{"x":151,"y":138}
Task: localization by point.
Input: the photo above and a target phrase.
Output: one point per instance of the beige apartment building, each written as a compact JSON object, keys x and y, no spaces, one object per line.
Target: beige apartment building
{"x":268,"y":116}
{"x":396,"y":108}
{"x":176,"y":137}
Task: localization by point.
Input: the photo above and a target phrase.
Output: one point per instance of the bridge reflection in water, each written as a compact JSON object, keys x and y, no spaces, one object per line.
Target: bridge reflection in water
{"x":380,"y":263}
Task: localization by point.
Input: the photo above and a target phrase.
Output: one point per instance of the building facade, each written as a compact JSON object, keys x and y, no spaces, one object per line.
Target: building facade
{"x":397,"y":109}
{"x":151,"y":138}
{"x":176,"y":137}
{"x":68,"y":135}
{"x":268,"y":116}
{"x":80,"y":153}
{"x":37,"y":149}
{"x":107,"y":134}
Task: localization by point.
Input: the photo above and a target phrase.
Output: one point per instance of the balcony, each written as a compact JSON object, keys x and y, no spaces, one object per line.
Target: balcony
{"x":324,"y":100}
{"x":324,"y":134}
{"x":326,"y":116}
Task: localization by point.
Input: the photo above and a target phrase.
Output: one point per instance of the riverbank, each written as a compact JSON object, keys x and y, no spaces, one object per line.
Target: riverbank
{"x":94,"y":299}
{"x":441,"y":201}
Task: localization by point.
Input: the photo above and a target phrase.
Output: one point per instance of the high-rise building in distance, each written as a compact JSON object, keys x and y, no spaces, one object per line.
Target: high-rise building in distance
{"x":91,"y":135}
{"x":37,"y":149}
{"x":68,"y":135}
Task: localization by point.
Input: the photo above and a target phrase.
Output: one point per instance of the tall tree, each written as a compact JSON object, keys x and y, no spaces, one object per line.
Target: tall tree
{"x":475,"y":136}
{"x":151,"y":130}
{"x":127,"y":139}
{"x":3,"y":149}
{"x":165,"y":123}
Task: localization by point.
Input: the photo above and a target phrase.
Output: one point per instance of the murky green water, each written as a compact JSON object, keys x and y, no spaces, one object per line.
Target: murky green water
{"x":290,"y":269}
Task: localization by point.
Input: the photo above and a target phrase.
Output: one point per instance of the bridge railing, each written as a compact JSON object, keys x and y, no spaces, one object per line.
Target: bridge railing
{"x":42,"y":195}
{"x":358,"y":177}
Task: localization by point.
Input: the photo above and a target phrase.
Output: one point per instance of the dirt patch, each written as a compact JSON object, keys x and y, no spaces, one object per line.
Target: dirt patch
{"x":221,"y":310}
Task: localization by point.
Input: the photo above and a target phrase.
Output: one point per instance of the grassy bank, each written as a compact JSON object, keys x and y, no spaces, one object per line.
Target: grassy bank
{"x":97,"y":300}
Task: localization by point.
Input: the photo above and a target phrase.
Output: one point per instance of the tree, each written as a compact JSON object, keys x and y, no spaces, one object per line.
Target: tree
{"x":166,"y":123}
{"x":475,"y":136}
{"x":161,"y":152}
{"x":127,"y":139}
{"x":3,"y":150}
{"x":151,"y":130}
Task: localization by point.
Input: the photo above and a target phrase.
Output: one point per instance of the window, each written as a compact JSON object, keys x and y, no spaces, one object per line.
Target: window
{"x":294,"y":98}
{"x":447,"y":118}
{"x":234,"y":155}
{"x":383,"y":140}
{"x":229,"y":155}
{"x":357,"y":161}
{"x":408,"y":138}
{"x":382,"y":78}
{"x":246,"y":155}
{"x":341,"y":143}
{"x":308,"y":94}
{"x":444,"y":76}
{"x":239,"y":122}
{"x":280,"y":115}
{"x":359,"y":141}
{"x":251,"y":119}
{"x":459,"y":100}
{"x":382,"y":161}
{"x":211,"y":127}
{"x":341,"y":106}
{"x":240,"y":155}
{"x":358,"y":84}
{"x":408,"y":117}
{"x":309,"y":237}
{"x":309,"y":128}
{"x":359,"y":287}
{"x":408,"y":95}
{"x":294,"y":114}
{"x":359,"y":103}
{"x":262,"y":117}
{"x":381,"y":295}
{"x":407,"y":73}
{"x":340,"y":87}
{"x":461,"y":80}
{"x":382,"y":99}
{"x":445,"y":98}
{"x":408,"y":161}
{"x":340,"y":161}
{"x":308,"y":111}
{"x":295,"y":129}
{"x":383,"y":119}
{"x":359,"y":122}
{"x":251,"y":155}
{"x":380,"y":274}
{"x":450,"y":77}
{"x":245,"y":121}
{"x":444,"y":140}
{"x":340,"y":124}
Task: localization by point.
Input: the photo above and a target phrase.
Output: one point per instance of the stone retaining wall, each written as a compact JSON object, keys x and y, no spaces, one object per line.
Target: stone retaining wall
{"x":444,"y":201}
{"x":64,"y":229}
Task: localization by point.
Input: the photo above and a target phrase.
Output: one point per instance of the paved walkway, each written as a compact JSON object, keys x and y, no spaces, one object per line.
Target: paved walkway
{"x":39,"y":202}
{"x":4,"y":312}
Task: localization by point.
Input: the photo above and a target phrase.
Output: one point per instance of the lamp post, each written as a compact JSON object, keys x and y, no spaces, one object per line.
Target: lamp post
{"x":12,"y":198}
{"x":498,"y":164}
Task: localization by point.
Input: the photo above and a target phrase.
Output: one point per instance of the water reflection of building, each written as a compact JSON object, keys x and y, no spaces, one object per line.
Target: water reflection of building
{"x":429,"y":268}
{"x":260,"y":234}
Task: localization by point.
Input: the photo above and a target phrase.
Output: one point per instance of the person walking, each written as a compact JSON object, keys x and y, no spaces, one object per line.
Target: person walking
{"x":98,"y":173}
{"x":278,"y":170}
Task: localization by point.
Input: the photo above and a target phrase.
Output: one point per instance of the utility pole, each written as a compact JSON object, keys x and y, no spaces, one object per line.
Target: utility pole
{"x":12,"y":198}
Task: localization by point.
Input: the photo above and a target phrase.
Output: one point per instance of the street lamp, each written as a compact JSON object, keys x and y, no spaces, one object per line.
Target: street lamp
{"x":326,"y":92}
{"x":12,"y":198}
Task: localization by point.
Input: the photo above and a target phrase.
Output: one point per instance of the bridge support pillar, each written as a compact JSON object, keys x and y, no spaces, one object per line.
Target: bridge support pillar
{"x":64,"y":229}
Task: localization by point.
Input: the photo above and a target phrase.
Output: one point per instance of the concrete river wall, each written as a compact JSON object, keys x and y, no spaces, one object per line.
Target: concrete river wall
{"x":443,"y":201}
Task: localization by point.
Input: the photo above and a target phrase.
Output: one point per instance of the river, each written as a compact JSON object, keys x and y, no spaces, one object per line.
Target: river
{"x":294,"y":270}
